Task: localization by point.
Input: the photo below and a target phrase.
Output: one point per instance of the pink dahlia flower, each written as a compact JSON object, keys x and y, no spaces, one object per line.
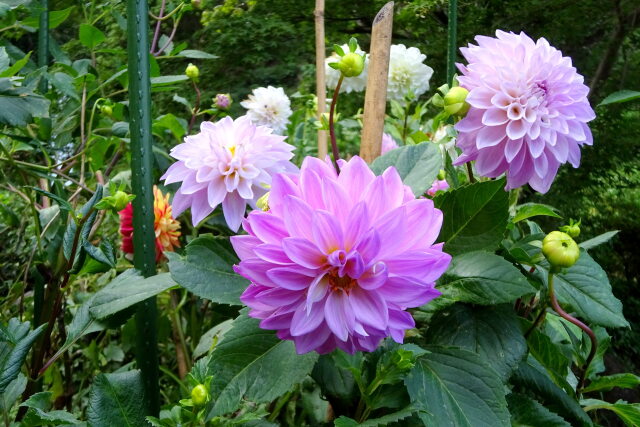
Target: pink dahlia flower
{"x":438,"y":185}
{"x":528,"y":113}
{"x":229,"y":162}
{"x":388,"y":143}
{"x":337,"y":260}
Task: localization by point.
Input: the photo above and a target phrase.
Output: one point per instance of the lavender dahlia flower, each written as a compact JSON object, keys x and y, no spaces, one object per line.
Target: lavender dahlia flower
{"x":228,"y":162}
{"x":528,"y":113}
{"x":337,"y":259}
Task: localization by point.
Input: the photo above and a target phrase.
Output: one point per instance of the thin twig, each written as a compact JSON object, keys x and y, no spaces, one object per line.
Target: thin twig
{"x":156,"y":33}
{"x":332,"y":130}
{"x":196,"y":107}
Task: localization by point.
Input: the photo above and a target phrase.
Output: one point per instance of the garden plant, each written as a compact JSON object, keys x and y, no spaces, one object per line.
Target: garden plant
{"x":372,"y":241}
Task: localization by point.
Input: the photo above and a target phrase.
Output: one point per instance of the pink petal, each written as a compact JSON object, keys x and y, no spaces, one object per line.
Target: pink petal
{"x":369,"y":308}
{"x":303,"y":252}
{"x":233,"y":208}
{"x":293,"y":278}
{"x":490,"y":136}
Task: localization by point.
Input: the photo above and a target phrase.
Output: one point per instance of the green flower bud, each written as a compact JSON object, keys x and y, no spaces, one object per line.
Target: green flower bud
{"x":455,"y":101}
{"x":116,"y":202}
{"x":441,"y":175}
{"x":351,"y":64}
{"x":560,"y":249}
{"x":106,"y":109}
{"x":199,"y":395}
{"x":192,"y":71}
{"x":573,"y":229}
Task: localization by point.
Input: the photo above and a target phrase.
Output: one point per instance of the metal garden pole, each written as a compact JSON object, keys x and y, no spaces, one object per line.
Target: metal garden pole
{"x":142,"y":183}
{"x":452,"y":40}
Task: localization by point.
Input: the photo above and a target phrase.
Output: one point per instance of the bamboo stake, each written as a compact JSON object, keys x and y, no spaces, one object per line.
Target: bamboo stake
{"x":375,"y":100}
{"x":452,"y":42}
{"x":321,"y":89}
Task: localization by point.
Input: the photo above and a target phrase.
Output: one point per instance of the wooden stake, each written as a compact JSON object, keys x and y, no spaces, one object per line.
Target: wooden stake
{"x":375,"y":100}
{"x":321,"y":89}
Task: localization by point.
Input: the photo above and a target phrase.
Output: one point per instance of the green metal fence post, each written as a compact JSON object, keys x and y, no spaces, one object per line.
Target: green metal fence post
{"x":142,"y":183}
{"x":452,"y":43}
{"x":43,"y":41}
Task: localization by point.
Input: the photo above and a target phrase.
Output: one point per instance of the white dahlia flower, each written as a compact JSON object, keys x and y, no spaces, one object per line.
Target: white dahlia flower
{"x":269,"y":106}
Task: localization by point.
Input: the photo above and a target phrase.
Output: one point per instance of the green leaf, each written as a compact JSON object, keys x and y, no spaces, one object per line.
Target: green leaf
{"x":39,"y":412}
{"x":173,"y":124}
{"x":111,"y":300}
{"x":335,"y":381}
{"x":492,"y":332}
{"x":455,"y":387}
{"x":19,"y":105}
{"x":550,"y":356}
{"x":609,"y":382}
{"x":207,"y":271}
{"x":117,"y":399}
{"x":56,"y":17}
{"x":16,"y":67}
{"x":627,"y":412}
{"x":620,"y":96}
{"x":418,"y":165}
{"x":12,"y":393}
{"x":483,"y":278}
{"x":526,"y":412}
{"x":598,"y":240}
{"x":255,"y":364}
{"x":529,"y":210}
{"x":91,"y":36}
{"x":16,"y":340}
{"x":196,"y":54}
{"x":63,"y":204}
{"x":586,"y":289}
{"x":385,"y":420}
{"x":531,"y":377}
{"x":475,"y":216}
{"x":166,"y":80}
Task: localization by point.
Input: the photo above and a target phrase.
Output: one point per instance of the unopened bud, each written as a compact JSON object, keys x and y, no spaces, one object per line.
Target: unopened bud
{"x":455,"y":101}
{"x":573,"y":229}
{"x":116,"y":202}
{"x":192,"y":71}
{"x":199,"y":395}
{"x":106,"y":109}
{"x":222,"y":101}
{"x":560,"y":249}
{"x":351,"y":64}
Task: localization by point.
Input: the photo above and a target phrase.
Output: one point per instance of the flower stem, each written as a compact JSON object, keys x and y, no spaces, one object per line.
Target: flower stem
{"x":578,"y":323}
{"x":470,"y":173}
{"x":332,"y":131}
{"x":195,"y":108}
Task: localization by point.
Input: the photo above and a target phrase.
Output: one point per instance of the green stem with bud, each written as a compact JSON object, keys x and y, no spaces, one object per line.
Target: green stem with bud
{"x":578,"y":323}
{"x":332,"y":130}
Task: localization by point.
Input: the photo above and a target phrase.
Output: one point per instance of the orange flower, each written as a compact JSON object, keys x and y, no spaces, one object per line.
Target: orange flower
{"x":167,"y":229}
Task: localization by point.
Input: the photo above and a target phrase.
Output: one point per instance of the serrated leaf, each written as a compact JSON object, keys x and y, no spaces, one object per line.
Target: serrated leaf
{"x":455,"y":387}
{"x":549,"y":355}
{"x":117,"y":399}
{"x":12,"y":392}
{"x":586,"y":289}
{"x":166,"y":80}
{"x":111,"y":300}
{"x":529,"y":210}
{"x":56,"y":17}
{"x":609,"y":382}
{"x":531,"y":377}
{"x":394,"y":417}
{"x":526,"y":412}
{"x":16,"y":340}
{"x":19,"y":105}
{"x":207,"y":271}
{"x":620,"y":96}
{"x":196,"y":54}
{"x":418,"y":165}
{"x":492,"y":332}
{"x":629,"y":413}
{"x":475,"y":216}
{"x":598,"y":240}
{"x":483,"y":278}
{"x":255,"y":364}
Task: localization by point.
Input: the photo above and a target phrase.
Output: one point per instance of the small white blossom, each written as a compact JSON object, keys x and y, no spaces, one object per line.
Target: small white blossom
{"x":407,"y":72}
{"x":269,"y":106}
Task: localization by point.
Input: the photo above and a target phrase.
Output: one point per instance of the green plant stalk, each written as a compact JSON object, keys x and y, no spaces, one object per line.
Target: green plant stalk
{"x":142,"y":184}
{"x":332,"y":130}
{"x":452,"y":42}
{"x":585,"y":328}
{"x":43,"y":42}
